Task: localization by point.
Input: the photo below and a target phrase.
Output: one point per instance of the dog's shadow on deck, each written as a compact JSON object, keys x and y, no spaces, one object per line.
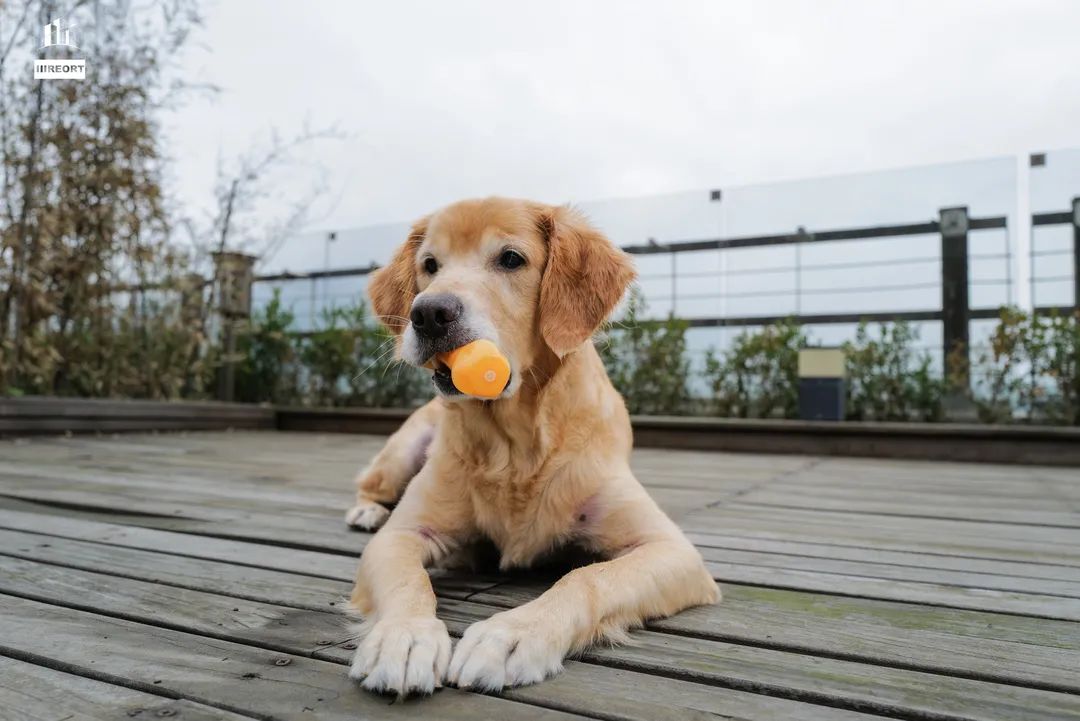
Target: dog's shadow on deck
{"x":476,"y":570}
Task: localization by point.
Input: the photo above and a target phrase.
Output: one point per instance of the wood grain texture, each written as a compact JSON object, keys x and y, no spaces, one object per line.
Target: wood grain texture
{"x":1015,"y":650}
{"x":320,"y":634}
{"x":37,"y":693}
{"x":248,"y":679}
{"x":853,"y":587}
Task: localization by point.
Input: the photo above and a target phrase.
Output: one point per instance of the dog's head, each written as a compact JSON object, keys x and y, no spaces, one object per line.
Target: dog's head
{"x":534,"y":279}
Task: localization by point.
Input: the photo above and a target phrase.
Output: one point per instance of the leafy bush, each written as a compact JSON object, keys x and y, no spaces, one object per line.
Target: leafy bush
{"x":349,"y":360}
{"x":269,"y":371}
{"x":138,"y":351}
{"x":1055,"y":358}
{"x":346,"y":360}
{"x":887,"y":379}
{"x":1031,"y":368}
{"x":758,"y":376}
{"x":997,"y":385}
{"x":646,"y":360}
{"x":327,"y":356}
{"x":381,"y":380}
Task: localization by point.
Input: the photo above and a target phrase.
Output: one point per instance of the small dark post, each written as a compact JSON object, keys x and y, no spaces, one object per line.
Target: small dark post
{"x":1076,"y":252}
{"x":233,"y":273}
{"x":955,"y":310}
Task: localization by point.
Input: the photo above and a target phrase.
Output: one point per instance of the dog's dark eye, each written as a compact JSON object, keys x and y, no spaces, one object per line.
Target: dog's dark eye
{"x":431,"y":266}
{"x":511,"y":260}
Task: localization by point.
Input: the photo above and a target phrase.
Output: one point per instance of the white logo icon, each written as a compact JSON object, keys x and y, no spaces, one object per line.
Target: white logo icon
{"x":58,"y":32}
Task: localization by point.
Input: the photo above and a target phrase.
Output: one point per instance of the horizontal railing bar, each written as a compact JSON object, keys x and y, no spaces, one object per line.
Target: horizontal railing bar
{"x":317,"y":274}
{"x":865,"y":233}
{"x":314,"y":275}
{"x":814,"y":319}
{"x":1063,"y":217}
{"x":805,"y":267}
{"x":822,"y":291}
{"x":872,"y":317}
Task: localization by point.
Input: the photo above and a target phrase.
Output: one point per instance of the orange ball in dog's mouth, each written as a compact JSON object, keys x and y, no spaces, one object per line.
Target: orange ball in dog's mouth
{"x":478,"y":369}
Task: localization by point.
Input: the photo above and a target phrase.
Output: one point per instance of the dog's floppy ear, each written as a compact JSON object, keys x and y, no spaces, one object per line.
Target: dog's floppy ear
{"x":393,"y":286}
{"x":584,"y":279}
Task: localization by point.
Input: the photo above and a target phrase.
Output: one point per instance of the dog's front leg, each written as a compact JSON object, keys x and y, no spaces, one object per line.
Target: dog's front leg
{"x":405,"y":648}
{"x":657,"y":574}
{"x":383,"y":480}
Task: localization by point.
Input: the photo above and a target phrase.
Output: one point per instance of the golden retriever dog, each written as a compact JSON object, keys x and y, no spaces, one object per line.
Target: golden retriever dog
{"x":543,"y":466}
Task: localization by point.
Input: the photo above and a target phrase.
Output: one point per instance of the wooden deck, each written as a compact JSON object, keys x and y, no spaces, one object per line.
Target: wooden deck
{"x":195,"y":576}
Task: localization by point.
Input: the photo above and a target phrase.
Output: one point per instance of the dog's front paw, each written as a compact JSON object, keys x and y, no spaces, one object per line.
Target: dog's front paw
{"x":367,"y":515}
{"x":403,"y":656}
{"x":505,"y":650}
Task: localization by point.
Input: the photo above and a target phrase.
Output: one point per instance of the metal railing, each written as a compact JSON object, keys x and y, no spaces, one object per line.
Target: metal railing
{"x":952,"y":281}
{"x":1067,"y":217}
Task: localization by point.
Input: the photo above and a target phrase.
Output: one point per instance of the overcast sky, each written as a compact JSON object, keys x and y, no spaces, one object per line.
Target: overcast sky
{"x":586,"y":100}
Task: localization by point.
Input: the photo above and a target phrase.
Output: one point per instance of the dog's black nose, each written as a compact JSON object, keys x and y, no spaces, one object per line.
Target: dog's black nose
{"x":433,"y":315}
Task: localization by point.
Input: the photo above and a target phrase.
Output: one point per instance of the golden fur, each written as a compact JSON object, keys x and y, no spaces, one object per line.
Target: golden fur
{"x":543,"y":467}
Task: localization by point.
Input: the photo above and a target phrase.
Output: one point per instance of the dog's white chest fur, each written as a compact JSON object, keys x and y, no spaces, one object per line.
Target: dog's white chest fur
{"x":528,"y":520}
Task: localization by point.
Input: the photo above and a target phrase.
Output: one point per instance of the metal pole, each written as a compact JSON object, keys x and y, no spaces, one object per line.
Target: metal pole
{"x":1009,"y":299}
{"x":330,"y":238}
{"x":674,"y":292}
{"x":1031,"y":267}
{"x":798,"y":271}
{"x":955,"y":305}
{"x":1076,"y":251}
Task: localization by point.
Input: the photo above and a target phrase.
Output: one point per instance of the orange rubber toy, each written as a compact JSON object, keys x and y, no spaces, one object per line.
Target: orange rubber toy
{"x":478,"y":369}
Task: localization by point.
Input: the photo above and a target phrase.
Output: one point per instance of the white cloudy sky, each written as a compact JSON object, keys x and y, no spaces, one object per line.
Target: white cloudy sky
{"x":582,"y":100}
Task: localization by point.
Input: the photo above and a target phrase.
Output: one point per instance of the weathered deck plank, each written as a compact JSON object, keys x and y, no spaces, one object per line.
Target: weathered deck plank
{"x":228,"y":675}
{"x":1031,"y":651}
{"x":37,"y":693}
{"x":276,"y":683}
{"x":784,"y":674}
{"x":853,"y":587}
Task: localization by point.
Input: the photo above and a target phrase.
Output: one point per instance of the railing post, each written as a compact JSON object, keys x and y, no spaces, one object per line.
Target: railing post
{"x":233,"y":274}
{"x":674,"y":285}
{"x":1076,"y":252}
{"x":955,"y":304}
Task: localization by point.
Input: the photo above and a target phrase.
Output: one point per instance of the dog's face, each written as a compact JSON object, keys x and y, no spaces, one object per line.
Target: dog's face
{"x":531,"y":278}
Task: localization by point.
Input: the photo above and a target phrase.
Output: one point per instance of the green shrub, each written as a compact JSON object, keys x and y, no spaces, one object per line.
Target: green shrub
{"x":268,"y":371}
{"x":327,"y":355}
{"x":997,"y":384}
{"x":381,"y":380}
{"x":646,"y":360}
{"x":349,"y":360}
{"x":1031,"y":368}
{"x":138,"y":351}
{"x":758,"y":376}
{"x":1055,"y":358}
{"x":888,"y":380}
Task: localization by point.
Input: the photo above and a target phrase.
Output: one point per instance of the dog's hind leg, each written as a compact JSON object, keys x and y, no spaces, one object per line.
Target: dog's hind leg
{"x":382,"y":481}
